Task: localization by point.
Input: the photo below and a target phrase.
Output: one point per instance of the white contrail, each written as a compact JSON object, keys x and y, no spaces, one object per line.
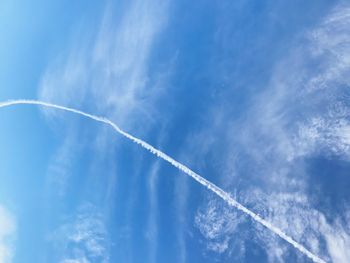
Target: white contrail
{"x":212,"y":187}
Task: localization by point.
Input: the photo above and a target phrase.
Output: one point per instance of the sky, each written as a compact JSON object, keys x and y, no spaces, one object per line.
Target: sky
{"x":252,"y":95}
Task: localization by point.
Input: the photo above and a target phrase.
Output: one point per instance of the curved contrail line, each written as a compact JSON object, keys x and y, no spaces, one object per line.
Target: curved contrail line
{"x":209,"y":185}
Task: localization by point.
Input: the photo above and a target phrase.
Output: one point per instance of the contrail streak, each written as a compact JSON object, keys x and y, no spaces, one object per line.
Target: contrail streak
{"x":212,"y":187}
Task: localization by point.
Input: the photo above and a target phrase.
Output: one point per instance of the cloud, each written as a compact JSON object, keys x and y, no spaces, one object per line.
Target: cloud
{"x":153,"y":221}
{"x":7,"y":235}
{"x":82,"y":238}
{"x":181,"y":194}
{"x":80,"y":260}
{"x":60,"y":167}
{"x":302,"y":113}
{"x":293,"y":212}
{"x":110,"y":72}
{"x":218,"y":223}
{"x":225,"y":230}
{"x":338,"y":243}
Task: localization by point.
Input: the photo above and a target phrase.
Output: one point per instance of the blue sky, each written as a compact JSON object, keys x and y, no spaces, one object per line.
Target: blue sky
{"x":254,"y":96}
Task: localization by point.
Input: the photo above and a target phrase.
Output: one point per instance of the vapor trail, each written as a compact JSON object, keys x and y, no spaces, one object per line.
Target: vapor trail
{"x":212,"y":187}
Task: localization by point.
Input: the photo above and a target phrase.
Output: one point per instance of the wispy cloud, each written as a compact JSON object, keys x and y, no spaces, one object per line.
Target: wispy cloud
{"x":110,"y":72}
{"x":82,"y":238}
{"x":181,"y":194}
{"x":7,"y":235}
{"x":293,"y":212}
{"x":60,"y":167}
{"x":302,"y":113}
{"x":152,"y":224}
{"x":338,"y":240}
{"x":218,"y":223}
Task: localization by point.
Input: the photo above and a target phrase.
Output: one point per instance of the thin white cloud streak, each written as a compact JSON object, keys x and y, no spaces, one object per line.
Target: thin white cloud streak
{"x":212,"y":187}
{"x":60,"y":166}
{"x":153,"y":215}
{"x":181,"y":193}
